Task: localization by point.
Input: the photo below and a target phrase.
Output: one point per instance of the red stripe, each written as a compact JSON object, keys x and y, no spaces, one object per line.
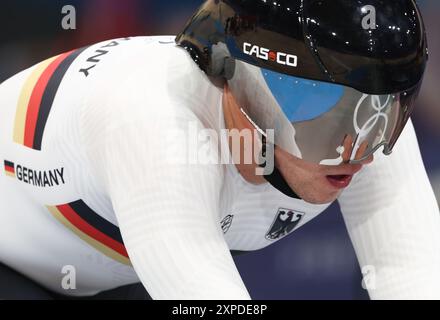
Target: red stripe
{"x":35,"y":100}
{"x":82,"y":225}
{"x":10,"y":169}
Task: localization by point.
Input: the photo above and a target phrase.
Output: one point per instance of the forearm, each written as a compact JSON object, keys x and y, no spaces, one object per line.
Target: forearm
{"x":394,"y":222}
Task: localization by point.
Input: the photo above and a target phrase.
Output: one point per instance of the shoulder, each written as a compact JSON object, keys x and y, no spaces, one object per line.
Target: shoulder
{"x":150,"y":83}
{"x":150,"y":75}
{"x":156,"y":84}
{"x":140,"y":62}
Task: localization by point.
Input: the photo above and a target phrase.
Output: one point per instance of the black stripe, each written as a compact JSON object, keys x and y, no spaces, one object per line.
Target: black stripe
{"x":96,"y":221}
{"x":9,"y":164}
{"x":49,"y":96}
{"x":235,"y":253}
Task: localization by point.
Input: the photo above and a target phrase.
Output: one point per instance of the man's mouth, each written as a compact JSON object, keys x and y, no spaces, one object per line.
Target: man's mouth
{"x":340,"y":181}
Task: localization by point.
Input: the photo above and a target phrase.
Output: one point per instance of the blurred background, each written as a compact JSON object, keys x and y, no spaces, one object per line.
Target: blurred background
{"x":315,"y":262}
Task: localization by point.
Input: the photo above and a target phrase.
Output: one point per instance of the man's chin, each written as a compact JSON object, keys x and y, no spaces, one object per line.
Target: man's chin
{"x":320,"y":199}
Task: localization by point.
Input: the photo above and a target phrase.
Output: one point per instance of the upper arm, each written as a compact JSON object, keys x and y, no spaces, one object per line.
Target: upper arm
{"x":167,"y":208}
{"x":394,"y":223}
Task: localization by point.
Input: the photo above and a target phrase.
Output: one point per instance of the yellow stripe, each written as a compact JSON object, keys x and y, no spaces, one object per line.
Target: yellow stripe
{"x":10,"y":174}
{"x":94,"y":243}
{"x":25,"y":96}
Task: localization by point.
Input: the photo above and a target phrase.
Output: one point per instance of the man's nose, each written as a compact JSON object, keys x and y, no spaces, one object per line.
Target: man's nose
{"x":360,"y":153}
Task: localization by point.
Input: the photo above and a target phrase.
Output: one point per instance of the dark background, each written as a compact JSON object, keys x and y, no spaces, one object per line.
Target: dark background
{"x":315,"y":262}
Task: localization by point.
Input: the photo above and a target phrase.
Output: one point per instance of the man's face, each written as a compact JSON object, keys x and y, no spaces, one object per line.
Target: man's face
{"x":314,"y":183}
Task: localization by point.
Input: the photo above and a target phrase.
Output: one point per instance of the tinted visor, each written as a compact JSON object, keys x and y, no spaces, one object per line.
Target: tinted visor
{"x":322,"y":122}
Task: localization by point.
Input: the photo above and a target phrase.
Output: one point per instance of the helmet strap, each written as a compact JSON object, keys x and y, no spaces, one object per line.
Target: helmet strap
{"x":275,"y":178}
{"x":278,"y":182}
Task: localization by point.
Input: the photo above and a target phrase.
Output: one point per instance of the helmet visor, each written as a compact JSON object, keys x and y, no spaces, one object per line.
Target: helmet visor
{"x":322,"y":122}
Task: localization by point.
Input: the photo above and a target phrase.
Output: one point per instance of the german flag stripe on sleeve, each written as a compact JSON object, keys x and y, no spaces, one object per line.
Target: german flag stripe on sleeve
{"x":93,"y":229}
{"x":37,"y":96}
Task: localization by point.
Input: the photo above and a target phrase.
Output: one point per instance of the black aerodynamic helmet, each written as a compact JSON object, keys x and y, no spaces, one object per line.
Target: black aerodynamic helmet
{"x":335,"y":79}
